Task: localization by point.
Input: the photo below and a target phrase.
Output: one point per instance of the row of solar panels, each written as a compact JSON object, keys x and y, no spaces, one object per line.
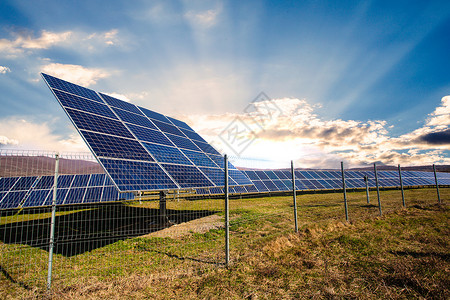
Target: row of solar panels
{"x":140,"y":149}
{"x":91,"y":188}
{"x":281,"y":180}
{"x":72,"y":189}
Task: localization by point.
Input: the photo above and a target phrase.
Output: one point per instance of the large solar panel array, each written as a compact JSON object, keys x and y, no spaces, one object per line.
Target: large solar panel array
{"x":140,"y":149}
{"x":281,"y":180}
{"x":34,"y":191}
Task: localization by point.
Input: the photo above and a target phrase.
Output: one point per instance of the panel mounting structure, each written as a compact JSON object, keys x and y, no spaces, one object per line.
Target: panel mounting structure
{"x":141,"y":150}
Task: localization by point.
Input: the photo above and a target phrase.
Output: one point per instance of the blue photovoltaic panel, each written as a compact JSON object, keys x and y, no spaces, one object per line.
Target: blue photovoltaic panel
{"x":99,"y":124}
{"x":97,"y":180}
{"x":62,"y":85}
{"x":134,"y":118}
{"x":179,"y":124}
{"x":168,"y":128}
{"x":138,"y":176}
{"x":187,"y":176}
{"x":45,"y":182}
{"x":182,"y":142}
{"x":24,"y":183}
{"x":7,"y":183}
{"x":65,"y":181}
{"x":200,"y":159}
{"x":166,"y":154}
{"x":121,"y":134}
{"x":148,"y":135}
{"x":120,"y":104}
{"x":154,"y":115}
{"x":80,"y":181}
{"x":75,"y":102}
{"x":116,"y":147}
{"x":12,"y":199}
{"x":37,"y":198}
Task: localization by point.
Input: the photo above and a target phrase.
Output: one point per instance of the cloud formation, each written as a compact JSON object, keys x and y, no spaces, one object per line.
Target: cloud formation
{"x":290,"y":129}
{"x":75,"y":73}
{"x":4,"y":70}
{"x":20,"y":133}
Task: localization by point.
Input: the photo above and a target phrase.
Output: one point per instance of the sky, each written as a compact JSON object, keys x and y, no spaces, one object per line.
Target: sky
{"x":317,"y":82}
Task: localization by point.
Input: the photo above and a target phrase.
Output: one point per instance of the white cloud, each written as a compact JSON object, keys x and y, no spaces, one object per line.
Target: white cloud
{"x":29,"y":135}
{"x":25,"y":41}
{"x":75,"y":73}
{"x":300,"y":134}
{"x":119,"y":96}
{"x":4,"y":70}
{"x":4,"y":140}
{"x":206,"y":18}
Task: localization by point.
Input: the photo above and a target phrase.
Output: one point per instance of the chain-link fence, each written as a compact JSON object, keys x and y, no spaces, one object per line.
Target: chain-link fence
{"x":80,"y":227}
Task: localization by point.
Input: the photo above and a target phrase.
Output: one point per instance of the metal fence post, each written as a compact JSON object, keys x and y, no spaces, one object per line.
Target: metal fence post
{"x":345,"y":191}
{"x":52,"y":225}
{"x":401,"y":185}
{"x":294,"y":195}
{"x":227,"y":215}
{"x":378,"y":188}
{"x":437,"y":184}
{"x":366,"y":180}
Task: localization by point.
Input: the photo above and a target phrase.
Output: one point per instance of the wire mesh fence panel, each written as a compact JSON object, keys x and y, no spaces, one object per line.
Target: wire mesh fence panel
{"x":26,"y":183}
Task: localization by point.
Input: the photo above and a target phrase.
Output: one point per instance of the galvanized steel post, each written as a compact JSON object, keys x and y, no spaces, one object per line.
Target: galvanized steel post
{"x":294,"y":195}
{"x":52,"y":225}
{"x":437,"y":184}
{"x":401,"y":185}
{"x":227,"y":214}
{"x":378,"y":188}
{"x":345,"y":191}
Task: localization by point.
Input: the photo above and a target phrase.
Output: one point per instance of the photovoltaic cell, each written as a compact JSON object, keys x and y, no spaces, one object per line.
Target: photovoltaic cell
{"x":167,"y":154}
{"x":59,"y":84}
{"x":75,"y":102}
{"x":121,"y":104}
{"x":168,"y":128}
{"x":137,"y":175}
{"x":148,"y":135}
{"x":182,"y":142}
{"x":99,"y":124}
{"x":116,"y":147}
{"x":134,"y":119}
{"x":154,"y":115}
{"x":187,"y":176}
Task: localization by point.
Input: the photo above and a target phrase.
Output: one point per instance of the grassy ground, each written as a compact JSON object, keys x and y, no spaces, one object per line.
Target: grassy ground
{"x":403,"y":254}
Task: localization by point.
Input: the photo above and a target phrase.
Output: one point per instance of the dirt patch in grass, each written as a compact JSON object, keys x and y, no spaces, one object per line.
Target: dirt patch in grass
{"x":201,"y":225}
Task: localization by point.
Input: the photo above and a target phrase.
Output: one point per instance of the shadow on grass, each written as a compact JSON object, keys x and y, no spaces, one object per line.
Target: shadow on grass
{"x":94,"y":227}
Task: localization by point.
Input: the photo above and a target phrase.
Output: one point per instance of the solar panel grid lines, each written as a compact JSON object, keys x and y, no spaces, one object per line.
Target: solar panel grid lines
{"x":137,"y":122}
{"x":72,"y":189}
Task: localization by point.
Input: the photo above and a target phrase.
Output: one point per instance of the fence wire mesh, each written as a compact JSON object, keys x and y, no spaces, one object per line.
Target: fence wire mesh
{"x":101,"y":233}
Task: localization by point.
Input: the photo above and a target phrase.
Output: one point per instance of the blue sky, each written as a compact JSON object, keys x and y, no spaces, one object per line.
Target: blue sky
{"x":364,"y":81}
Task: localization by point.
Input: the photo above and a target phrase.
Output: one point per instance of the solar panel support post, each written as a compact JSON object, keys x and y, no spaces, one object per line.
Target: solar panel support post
{"x":227,"y":214}
{"x":437,"y":184}
{"x":345,"y":191}
{"x":163,"y":206}
{"x":378,"y":188}
{"x":294,"y":195}
{"x":401,"y":185}
{"x":366,"y":180}
{"x":52,"y":225}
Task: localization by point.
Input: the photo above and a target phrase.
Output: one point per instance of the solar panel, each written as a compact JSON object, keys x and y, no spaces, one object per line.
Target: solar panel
{"x":140,"y":149}
{"x":34,"y":191}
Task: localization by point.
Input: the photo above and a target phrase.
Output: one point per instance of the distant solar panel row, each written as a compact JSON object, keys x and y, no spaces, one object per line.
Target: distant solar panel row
{"x":141,"y":149}
{"x":72,"y":189}
{"x":281,"y":180}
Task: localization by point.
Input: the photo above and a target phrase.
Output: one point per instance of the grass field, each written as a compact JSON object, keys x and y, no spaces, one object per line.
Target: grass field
{"x":403,"y":254}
